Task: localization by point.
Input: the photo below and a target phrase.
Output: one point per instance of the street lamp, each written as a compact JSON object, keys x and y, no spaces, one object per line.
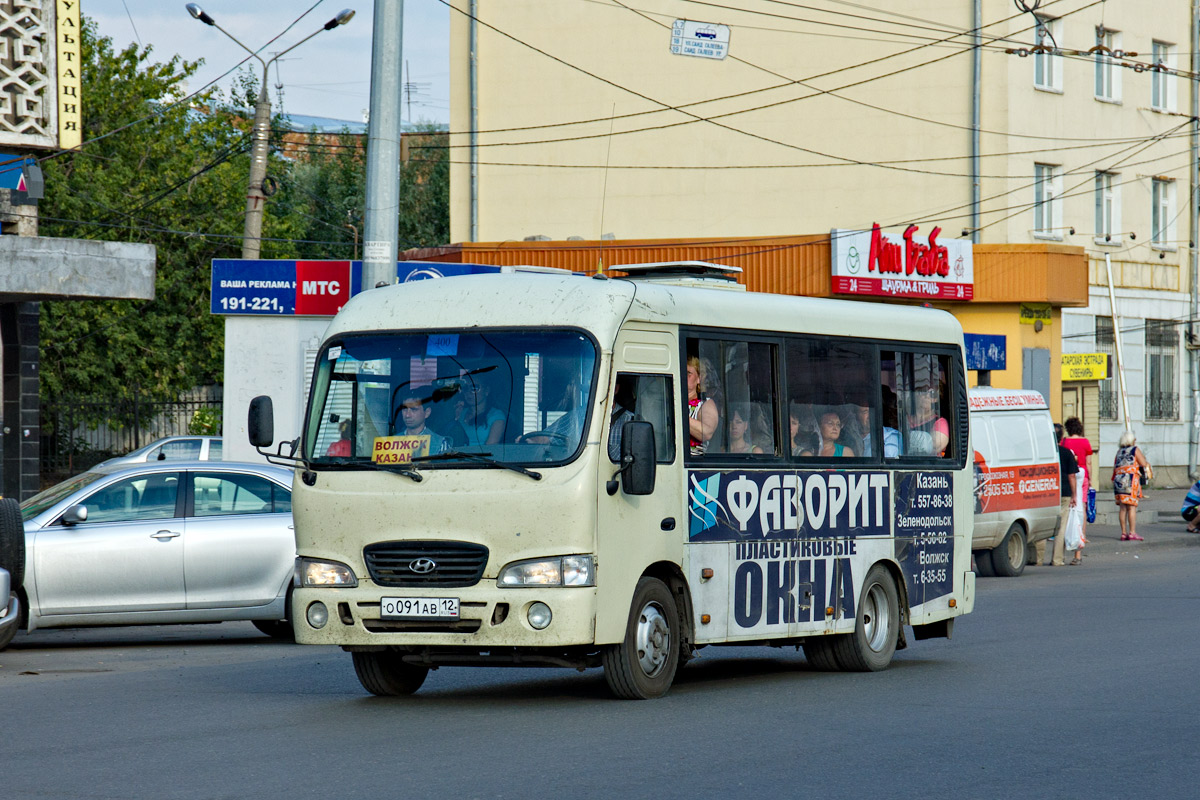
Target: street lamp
{"x":252,"y":233}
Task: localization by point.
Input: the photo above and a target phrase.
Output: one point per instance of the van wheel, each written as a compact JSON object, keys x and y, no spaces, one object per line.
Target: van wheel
{"x":387,"y":674}
{"x":876,"y":627}
{"x":983,"y":564}
{"x":643,"y":665}
{"x":12,"y":541}
{"x":1008,"y":559}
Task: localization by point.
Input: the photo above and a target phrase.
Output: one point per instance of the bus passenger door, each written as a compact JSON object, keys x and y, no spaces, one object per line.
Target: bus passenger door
{"x":636,"y":531}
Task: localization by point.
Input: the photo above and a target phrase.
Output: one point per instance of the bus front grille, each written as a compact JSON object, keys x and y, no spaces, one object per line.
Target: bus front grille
{"x":425,"y":564}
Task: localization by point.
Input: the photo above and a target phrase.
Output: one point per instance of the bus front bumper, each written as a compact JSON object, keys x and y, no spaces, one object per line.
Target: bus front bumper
{"x":488,"y":618}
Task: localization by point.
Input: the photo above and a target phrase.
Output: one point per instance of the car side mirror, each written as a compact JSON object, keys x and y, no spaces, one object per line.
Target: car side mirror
{"x":260,"y":426}
{"x":638,"y":459}
{"x":75,"y":515}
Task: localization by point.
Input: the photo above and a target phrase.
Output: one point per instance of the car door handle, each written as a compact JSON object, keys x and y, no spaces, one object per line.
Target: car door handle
{"x":164,"y":535}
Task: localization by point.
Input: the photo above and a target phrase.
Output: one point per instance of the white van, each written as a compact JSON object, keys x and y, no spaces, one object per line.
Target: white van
{"x":1017,"y":491}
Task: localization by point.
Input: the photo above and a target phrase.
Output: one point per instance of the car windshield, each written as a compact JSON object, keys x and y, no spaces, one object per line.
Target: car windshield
{"x":515,"y":396}
{"x":48,"y":497}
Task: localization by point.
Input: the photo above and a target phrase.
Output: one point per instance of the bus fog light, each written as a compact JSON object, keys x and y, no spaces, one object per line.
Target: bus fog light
{"x":539,"y":616}
{"x":317,"y":614}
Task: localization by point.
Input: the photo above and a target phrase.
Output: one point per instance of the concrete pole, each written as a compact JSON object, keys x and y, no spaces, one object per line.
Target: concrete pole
{"x":1193,"y":242}
{"x":381,"y":231}
{"x":976,"y":90}
{"x":255,"y":199}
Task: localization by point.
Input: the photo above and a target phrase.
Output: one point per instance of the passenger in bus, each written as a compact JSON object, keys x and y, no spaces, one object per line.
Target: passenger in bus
{"x":415,"y":414}
{"x":862,"y":429}
{"x":703,"y":416}
{"x":802,"y":429}
{"x":831,"y":431}
{"x":342,"y":447}
{"x":740,"y":438}
{"x":893,"y":442}
{"x":482,"y":423}
{"x":624,"y":400}
{"x":925,"y":420}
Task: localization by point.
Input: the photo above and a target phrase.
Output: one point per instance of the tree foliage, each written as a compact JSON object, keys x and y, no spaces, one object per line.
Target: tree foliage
{"x":173,"y":174}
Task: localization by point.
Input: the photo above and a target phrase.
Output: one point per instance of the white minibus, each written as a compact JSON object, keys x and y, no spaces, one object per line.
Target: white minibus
{"x":1017,"y":488}
{"x":555,"y":470}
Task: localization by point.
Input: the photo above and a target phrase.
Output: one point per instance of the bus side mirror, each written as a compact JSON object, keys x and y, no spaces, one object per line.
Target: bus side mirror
{"x":638,"y":457}
{"x":260,"y":426}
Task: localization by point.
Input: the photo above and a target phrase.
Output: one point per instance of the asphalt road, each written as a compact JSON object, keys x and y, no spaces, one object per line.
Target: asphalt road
{"x":1071,"y":682}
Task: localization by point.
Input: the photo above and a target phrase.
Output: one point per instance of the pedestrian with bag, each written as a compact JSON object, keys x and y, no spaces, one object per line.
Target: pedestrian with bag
{"x":1067,"y":469}
{"x":1191,"y":508}
{"x":1078,"y":444}
{"x":1130,"y":469}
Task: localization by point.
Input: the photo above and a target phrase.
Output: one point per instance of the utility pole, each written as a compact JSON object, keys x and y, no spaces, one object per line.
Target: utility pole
{"x":261,"y":133}
{"x":382,"y":224}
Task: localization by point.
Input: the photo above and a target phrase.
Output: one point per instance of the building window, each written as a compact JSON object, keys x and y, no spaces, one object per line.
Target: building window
{"x":1108,"y":208}
{"x":1047,"y":66}
{"x":1162,"y":81}
{"x":1162,"y":212}
{"x":1162,"y":351}
{"x":1108,"y":76}
{"x":1047,"y":206}
{"x":1107,"y":343}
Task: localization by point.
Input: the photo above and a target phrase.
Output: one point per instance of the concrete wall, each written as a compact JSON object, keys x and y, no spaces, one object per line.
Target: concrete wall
{"x":267,"y":355}
{"x":37,"y":268}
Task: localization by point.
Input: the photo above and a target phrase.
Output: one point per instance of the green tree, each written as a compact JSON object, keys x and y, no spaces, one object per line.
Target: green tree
{"x":173,"y":174}
{"x":151,"y":170}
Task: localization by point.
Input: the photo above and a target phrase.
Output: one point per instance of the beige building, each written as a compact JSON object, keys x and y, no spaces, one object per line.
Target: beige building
{"x":673,"y":119}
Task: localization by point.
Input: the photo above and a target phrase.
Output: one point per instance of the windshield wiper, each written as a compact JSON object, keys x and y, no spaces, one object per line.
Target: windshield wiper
{"x":406,"y":470}
{"x":482,"y":458}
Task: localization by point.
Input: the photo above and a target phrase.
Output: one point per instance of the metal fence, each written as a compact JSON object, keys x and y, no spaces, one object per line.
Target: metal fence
{"x":80,"y":433}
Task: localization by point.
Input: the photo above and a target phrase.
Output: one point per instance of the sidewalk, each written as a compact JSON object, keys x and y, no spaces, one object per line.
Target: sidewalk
{"x":1158,"y":521}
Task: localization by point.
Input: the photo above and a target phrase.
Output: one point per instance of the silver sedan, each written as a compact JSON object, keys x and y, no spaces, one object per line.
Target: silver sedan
{"x":162,"y":543}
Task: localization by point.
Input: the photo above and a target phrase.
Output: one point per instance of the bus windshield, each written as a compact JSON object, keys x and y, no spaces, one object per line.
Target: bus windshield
{"x":425,"y":398}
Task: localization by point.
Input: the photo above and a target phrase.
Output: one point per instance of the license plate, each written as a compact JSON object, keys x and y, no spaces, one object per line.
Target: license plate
{"x":418,"y":607}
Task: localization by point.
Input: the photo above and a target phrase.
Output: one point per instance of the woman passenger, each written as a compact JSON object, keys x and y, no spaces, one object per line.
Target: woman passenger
{"x":831,"y":431}
{"x":702,"y":411}
{"x":740,"y":438}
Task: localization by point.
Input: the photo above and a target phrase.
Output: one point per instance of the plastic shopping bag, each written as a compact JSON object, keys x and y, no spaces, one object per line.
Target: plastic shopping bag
{"x":1073,"y":535}
{"x":1091,"y":506}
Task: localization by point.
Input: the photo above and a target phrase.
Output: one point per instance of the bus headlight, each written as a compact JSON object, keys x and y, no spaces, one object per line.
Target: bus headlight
{"x":326,"y":573}
{"x":558,"y":571}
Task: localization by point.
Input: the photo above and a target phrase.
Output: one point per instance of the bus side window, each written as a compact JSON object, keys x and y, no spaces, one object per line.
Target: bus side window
{"x":925,"y":414}
{"x":643,"y":397}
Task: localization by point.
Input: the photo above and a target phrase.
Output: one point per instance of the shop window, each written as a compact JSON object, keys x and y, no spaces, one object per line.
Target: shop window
{"x":1106,"y":343}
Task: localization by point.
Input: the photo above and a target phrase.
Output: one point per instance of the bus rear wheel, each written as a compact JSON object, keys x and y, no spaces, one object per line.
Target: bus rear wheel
{"x":387,"y":675}
{"x":643,"y":665}
{"x":1008,"y":559}
{"x":876,"y":626}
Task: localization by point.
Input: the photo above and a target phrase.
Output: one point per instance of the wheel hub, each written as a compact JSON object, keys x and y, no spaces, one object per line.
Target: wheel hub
{"x":653,"y":640}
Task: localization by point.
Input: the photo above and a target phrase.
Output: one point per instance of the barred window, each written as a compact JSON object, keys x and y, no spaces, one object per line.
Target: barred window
{"x":1162,"y":351}
{"x":1106,"y":343}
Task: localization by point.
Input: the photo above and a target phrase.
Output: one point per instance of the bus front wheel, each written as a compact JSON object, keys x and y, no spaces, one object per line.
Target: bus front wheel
{"x":387,"y":675}
{"x":643,"y":665}
{"x":876,"y":627}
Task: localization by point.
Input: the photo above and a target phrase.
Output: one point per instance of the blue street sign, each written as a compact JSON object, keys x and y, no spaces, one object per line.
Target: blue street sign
{"x":985,"y":351}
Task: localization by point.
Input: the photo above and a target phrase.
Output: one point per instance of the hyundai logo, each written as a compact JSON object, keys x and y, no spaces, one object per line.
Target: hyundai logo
{"x":423,"y":566}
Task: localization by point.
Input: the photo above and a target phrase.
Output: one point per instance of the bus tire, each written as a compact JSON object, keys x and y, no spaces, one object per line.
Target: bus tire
{"x":819,"y":653}
{"x":12,"y":541}
{"x":387,"y":674}
{"x":643,"y":665}
{"x":1008,"y":559}
{"x":876,"y":626}
{"x":983,"y":564}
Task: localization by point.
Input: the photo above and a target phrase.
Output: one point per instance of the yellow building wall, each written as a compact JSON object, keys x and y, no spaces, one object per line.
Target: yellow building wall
{"x":1003,"y":319}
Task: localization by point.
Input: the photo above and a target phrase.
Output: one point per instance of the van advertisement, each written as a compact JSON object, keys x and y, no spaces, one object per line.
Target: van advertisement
{"x":1014,"y":487}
